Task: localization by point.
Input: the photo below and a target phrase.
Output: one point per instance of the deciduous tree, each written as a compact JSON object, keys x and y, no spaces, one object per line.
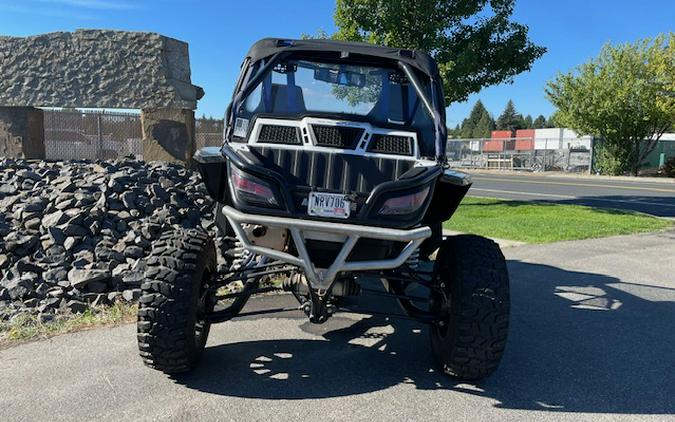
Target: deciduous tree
{"x":625,"y":96}
{"x":475,"y":42}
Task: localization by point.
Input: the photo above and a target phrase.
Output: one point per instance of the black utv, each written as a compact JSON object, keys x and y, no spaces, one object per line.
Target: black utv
{"x":332,"y":176}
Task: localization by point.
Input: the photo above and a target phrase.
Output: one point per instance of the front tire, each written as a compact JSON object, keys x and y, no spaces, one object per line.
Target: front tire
{"x":172,"y":330}
{"x":472,"y":301}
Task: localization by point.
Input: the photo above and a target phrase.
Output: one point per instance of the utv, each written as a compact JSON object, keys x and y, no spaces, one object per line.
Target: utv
{"x":332,"y":176}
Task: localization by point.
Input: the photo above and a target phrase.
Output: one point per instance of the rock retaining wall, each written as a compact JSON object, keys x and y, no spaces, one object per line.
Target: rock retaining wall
{"x":96,"y":68}
{"x":76,"y":233}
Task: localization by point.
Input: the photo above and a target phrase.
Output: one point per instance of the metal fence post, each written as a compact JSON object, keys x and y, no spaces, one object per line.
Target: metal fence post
{"x":592,"y":157}
{"x":99,"y":147}
{"x":543,"y":166}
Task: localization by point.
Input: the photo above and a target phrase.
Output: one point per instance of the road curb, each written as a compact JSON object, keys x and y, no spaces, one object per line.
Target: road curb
{"x":503,"y":243}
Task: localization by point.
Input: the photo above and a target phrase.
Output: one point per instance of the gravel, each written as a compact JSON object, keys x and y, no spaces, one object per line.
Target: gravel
{"x":75,"y":234}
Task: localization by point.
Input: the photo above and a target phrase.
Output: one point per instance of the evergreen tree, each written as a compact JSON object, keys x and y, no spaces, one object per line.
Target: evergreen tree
{"x":539,"y":122}
{"x":528,"y":122}
{"x":510,"y":119}
{"x":454,"y":133}
{"x":469,"y":124}
{"x":484,"y":127}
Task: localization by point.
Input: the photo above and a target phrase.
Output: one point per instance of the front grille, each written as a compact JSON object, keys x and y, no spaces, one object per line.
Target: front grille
{"x":333,"y":171}
{"x":277,"y":134}
{"x":337,"y":136}
{"x":391,"y":144}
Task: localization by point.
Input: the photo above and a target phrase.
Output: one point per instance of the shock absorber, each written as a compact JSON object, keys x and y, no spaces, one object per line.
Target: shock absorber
{"x":241,"y":256}
{"x":413,"y":260}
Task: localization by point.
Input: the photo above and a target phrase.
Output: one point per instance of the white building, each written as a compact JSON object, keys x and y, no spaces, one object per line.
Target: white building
{"x":560,"y":138}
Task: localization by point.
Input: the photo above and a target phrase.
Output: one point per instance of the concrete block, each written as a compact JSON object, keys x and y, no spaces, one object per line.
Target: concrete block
{"x":22,"y":133}
{"x":168,"y":135}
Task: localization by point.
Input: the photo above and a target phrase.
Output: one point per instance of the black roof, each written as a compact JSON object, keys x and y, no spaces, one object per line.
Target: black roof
{"x":269,"y":46}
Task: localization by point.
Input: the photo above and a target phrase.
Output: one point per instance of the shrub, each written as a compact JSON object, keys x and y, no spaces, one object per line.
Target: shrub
{"x":669,"y":167}
{"x":609,"y":162}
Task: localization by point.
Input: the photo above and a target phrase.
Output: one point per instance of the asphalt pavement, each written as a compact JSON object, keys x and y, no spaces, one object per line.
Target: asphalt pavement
{"x":655,"y":198}
{"x":591,"y":338}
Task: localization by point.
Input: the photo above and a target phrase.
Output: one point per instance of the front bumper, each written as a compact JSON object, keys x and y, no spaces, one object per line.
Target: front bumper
{"x":322,"y":279}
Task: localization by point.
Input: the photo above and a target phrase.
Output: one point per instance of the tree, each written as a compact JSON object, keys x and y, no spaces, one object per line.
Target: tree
{"x":527,"y":122}
{"x":479,"y":124}
{"x":474,"y":42}
{"x":470,"y":123}
{"x":624,"y":96}
{"x":510,"y":119}
{"x":454,"y":133}
{"x":484,"y":127}
{"x":539,"y":122}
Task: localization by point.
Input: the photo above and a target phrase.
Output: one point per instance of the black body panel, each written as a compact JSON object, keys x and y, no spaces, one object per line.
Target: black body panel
{"x":269,"y":46}
{"x":368,"y":181}
{"x":330,"y":170}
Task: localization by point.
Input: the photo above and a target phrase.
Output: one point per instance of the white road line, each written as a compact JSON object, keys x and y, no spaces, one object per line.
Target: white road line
{"x":576,"y":184}
{"x":551,"y":195}
{"x":524,"y":193}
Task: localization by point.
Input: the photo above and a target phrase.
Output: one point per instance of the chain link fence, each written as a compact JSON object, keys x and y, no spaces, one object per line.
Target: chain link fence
{"x":209,"y":132}
{"x":530,"y":154}
{"x":92,"y":135}
{"x":105,"y":135}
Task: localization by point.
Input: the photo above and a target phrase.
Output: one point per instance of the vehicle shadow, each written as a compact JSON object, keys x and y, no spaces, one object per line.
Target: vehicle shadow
{"x":579,"y":342}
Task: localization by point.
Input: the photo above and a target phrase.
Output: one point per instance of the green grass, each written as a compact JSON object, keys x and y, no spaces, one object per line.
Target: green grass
{"x":543,"y":222}
{"x":27,"y":327}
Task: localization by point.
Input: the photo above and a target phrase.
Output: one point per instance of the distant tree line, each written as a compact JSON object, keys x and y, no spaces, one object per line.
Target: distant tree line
{"x":480,"y":122}
{"x":209,"y":124}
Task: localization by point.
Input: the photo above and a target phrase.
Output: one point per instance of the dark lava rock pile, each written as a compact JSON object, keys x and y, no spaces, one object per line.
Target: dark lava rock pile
{"x":75,"y":234}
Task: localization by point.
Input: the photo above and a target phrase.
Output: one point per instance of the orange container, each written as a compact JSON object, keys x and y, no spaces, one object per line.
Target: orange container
{"x":494,"y":145}
{"x":499,"y":141}
{"x":501,"y":134}
{"x":525,"y":144}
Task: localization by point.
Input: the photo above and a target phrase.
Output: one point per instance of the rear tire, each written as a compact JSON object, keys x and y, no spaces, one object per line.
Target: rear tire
{"x":473,"y":303}
{"x":172,"y":331}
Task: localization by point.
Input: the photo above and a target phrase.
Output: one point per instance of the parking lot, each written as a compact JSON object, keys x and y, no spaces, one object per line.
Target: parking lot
{"x":591,"y":338}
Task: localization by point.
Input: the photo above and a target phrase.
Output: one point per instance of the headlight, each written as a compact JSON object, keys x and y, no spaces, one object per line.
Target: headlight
{"x":405,"y":204}
{"x":252,"y":190}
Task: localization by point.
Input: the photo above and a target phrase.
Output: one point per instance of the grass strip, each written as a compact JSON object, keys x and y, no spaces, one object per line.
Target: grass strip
{"x":537,"y":222}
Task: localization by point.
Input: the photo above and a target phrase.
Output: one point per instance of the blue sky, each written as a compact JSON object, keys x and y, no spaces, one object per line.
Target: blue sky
{"x":220,"y":32}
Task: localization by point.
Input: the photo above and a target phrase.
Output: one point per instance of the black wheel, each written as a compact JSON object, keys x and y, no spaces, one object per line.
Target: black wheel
{"x":172,"y":331}
{"x":472,"y":301}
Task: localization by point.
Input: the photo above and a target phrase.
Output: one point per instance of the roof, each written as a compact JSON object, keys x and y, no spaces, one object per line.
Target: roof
{"x":269,"y":46}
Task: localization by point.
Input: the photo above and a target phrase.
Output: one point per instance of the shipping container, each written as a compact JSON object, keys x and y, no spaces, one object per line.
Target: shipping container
{"x":493,"y":145}
{"x":525,"y":139}
{"x":500,"y":141}
{"x":548,"y":139}
{"x":501,"y":134}
{"x":572,"y":140}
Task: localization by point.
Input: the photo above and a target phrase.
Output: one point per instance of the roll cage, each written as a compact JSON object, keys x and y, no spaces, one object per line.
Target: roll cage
{"x":268,"y":53}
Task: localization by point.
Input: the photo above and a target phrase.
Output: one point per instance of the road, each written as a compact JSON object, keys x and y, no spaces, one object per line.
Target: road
{"x":649,"y":197}
{"x":591,"y":338}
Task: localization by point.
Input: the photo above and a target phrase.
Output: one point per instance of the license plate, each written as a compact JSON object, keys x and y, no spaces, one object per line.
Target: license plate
{"x":333,"y":205}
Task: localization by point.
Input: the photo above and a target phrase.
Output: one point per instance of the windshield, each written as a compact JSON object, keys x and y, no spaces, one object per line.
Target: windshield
{"x":376,"y":94}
